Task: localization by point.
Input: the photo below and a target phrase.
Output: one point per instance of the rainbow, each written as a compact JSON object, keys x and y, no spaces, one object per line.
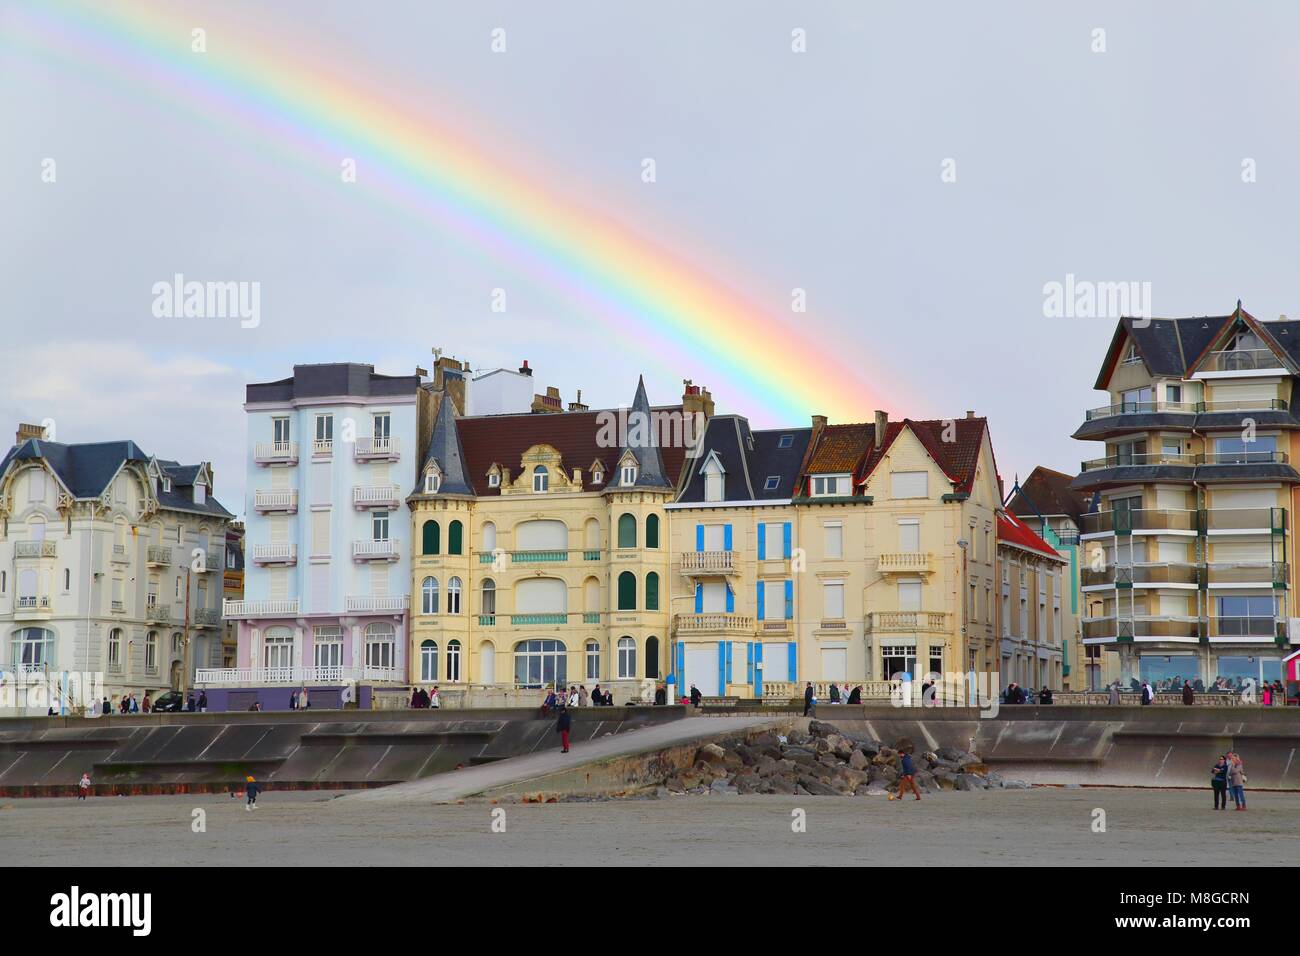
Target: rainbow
{"x":658,"y":302}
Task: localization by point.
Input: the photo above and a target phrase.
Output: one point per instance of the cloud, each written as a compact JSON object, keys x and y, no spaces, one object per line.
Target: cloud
{"x":181,"y":406}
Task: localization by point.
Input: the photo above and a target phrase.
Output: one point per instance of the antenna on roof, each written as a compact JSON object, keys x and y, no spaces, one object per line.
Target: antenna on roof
{"x":437,"y":354}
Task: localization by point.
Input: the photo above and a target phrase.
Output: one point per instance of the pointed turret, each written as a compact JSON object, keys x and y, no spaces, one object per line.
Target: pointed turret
{"x":445,"y":456}
{"x":642,"y":444}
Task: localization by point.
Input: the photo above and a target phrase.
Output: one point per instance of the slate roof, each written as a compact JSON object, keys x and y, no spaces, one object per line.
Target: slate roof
{"x":748,"y":459}
{"x":333,"y":378}
{"x":1047,"y":492}
{"x":851,"y":448}
{"x":642,"y":443}
{"x":445,"y":450}
{"x":86,"y":470}
{"x":1013,"y":531}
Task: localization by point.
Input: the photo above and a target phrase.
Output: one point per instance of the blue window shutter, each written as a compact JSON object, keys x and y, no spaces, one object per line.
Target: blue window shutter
{"x":729,"y":647}
{"x":786,"y":541}
{"x":699,"y":537}
{"x":789,"y":600}
{"x":722,"y":667}
{"x":699,"y":598}
{"x":726,"y":537}
{"x":760,"y":599}
{"x":731,"y":600}
{"x":681,"y":670}
{"x":758,"y":671}
{"x":762,"y":541}
{"x":793,"y":650}
{"x":749,"y":663}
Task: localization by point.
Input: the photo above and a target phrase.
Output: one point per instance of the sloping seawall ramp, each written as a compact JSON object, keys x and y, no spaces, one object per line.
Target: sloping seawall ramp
{"x":1104,"y":746}
{"x":322,"y":749}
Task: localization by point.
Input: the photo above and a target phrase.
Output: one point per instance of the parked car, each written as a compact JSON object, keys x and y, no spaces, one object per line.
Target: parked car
{"x":172,"y":701}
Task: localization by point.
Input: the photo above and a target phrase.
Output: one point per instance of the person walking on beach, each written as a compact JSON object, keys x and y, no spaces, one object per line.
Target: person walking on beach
{"x":907,"y":776}
{"x":562,"y":724}
{"x":1237,"y":780}
{"x":1219,"y":782}
{"x":809,"y":701}
{"x":251,"y":789}
{"x":83,"y":788}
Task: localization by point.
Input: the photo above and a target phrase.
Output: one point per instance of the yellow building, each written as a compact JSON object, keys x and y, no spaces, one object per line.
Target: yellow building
{"x":1034,"y":619}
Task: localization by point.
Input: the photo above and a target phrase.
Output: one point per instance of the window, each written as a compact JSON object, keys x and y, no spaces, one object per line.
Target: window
{"x":455,"y":537}
{"x":1241,"y":615}
{"x":151,"y":653}
{"x":628,"y":475}
{"x":453,"y":596}
{"x":909,"y":535}
{"x":280,"y":431}
{"x":379,"y":526}
{"x":627,"y":591}
{"x":453,"y":660}
{"x":772,"y":483}
{"x":541,"y":479}
{"x":909,"y":595}
{"x":1174,"y":394}
{"x":785,"y":441}
{"x":909,"y":484}
{"x":713,"y":485}
{"x":429,"y":596}
{"x":382,"y":423}
{"x":593,"y":660}
{"x":652,"y":531}
{"x":627,"y":531}
{"x":431,"y":538}
{"x":652,"y":591}
{"x":1235,"y":451}
{"x":897,"y":660}
{"x":652,"y":657}
{"x":67,"y":579}
{"x":597,"y":477}
{"x":381,"y":648}
{"x":32,"y":648}
{"x":429,"y":662}
{"x":833,"y":600}
{"x":432,"y":481}
{"x":488,"y":606}
{"x":833,"y":533}
{"x":324,"y":432}
{"x":3,"y":582}
{"x":541,"y":664}
{"x":936,"y":659}
{"x":825,"y":486}
{"x":626,"y":658}
{"x":328,"y":646}
{"x":1137,"y":400}
{"x":1131,"y":357}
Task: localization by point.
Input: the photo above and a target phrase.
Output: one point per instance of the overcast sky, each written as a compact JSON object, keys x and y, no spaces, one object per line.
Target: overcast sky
{"x":822,"y":170}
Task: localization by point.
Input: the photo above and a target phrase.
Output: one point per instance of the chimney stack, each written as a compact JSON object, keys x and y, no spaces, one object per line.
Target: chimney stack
{"x":970,"y":413}
{"x":26,"y":431}
{"x":882,"y":425}
{"x":524,"y":369}
{"x":696,"y":400}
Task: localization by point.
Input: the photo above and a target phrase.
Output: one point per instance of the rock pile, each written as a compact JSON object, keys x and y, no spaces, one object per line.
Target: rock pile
{"x":825,"y":762}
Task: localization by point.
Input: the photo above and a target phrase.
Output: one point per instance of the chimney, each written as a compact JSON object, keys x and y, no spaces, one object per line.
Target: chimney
{"x":882,"y":425}
{"x":524,"y":369}
{"x":696,"y":400}
{"x":970,"y":413}
{"x":577,"y":406}
{"x":818,"y":422}
{"x":26,"y":431}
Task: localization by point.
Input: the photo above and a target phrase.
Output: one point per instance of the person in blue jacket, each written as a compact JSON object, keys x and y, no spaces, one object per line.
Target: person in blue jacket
{"x":1219,"y":782}
{"x":907,"y":776}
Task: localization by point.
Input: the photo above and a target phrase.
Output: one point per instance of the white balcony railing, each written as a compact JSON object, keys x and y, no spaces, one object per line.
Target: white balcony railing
{"x":158,"y":555}
{"x":33,"y":602}
{"x":284,"y":553}
{"x":381,"y":603}
{"x":931,"y":622}
{"x":715,"y":623}
{"x":270,"y":452}
{"x":245,"y":676}
{"x":378,"y":550}
{"x":709,"y":562}
{"x":377,"y":447}
{"x":377,"y":496}
{"x":35,"y":549}
{"x":282,"y":499}
{"x":244,"y":609}
{"x":904,"y":562}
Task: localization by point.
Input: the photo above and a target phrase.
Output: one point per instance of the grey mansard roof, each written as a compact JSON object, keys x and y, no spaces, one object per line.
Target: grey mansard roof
{"x":748,"y":459}
{"x":446,"y":452}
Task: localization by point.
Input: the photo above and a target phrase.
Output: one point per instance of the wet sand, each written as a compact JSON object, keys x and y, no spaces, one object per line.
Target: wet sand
{"x":1041,"y":826}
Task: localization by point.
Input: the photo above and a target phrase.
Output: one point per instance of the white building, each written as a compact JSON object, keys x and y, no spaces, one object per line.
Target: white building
{"x":332,"y":454}
{"x":110,"y":564}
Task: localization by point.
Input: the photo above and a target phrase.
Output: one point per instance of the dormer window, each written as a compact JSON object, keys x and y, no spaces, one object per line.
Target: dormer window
{"x":541,"y":479}
{"x":200,"y":493}
{"x":830,"y":486}
{"x":1131,"y":357}
{"x":167,"y":484}
{"x":494,"y":480}
{"x":432,"y":482}
{"x":627,"y":475}
{"x":597,"y":477}
{"x":714,"y":479}
{"x":786,"y":441}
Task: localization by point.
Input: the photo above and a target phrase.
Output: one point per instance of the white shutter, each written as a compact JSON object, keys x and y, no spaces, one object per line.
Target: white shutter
{"x":909,"y":484}
{"x":541,"y":596}
{"x":542,"y":536}
{"x":909,"y":595}
{"x":320,"y":532}
{"x":1227,"y":498}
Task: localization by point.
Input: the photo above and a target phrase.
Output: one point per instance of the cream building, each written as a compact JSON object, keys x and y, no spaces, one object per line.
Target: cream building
{"x":1034,"y":619}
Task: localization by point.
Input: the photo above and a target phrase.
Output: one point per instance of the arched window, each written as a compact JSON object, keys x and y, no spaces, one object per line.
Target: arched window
{"x":591,"y":535}
{"x":541,"y":478}
{"x":541,"y":664}
{"x":489,"y":536}
{"x":33,"y":648}
{"x":453,"y":661}
{"x":627,"y":591}
{"x":652,"y":658}
{"x":652,"y":531}
{"x":488,"y":606}
{"x":381,"y":645}
{"x":455,"y":534}
{"x":593,"y":660}
{"x":652,"y":591}
{"x":115,"y":649}
{"x":151,"y":653}
{"x":429,"y":596}
{"x":627,"y":531}
{"x":453,"y":596}
{"x":432,"y":538}
{"x":429,"y":661}
{"x":626,"y":658}
{"x":487,"y":663}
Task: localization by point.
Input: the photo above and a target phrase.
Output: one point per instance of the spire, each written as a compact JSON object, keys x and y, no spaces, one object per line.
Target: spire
{"x":446,"y":453}
{"x":642,"y":442}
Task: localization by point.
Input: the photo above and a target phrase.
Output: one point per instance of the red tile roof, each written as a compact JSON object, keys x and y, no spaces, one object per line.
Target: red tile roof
{"x":851,"y":448}
{"x":503,"y":440}
{"x":1015,"y":532}
{"x":1047,"y":492}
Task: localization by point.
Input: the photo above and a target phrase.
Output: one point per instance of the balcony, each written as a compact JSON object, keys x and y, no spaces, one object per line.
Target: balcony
{"x":378,"y":603}
{"x":538,"y":557}
{"x":1142,"y":408}
{"x":908,"y":622}
{"x":120,"y":555}
{"x":1246,"y":630}
{"x":386,"y":497}
{"x":322,"y":448}
{"x":1139,"y":460}
{"x":158,"y":613}
{"x":703,"y":563}
{"x":253,"y":676}
{"x":715,"y":624}
{"x":377,"y":449}
{"x":276,"y":453}
{"x":245,"y":609}
{"x":1183,"y":629}
{"x":1153,"y":574}
{"x":280,"y":501}
{"x":1244,"y":458}
{"x":1246,"y":574}
{"x":533,"y":620}
{"x":158,"y":557}
{"x":214,"y":562}
{"x":1244,"y":520}
{"x":282,"y":554}
{"x":32,"y":607}
{"x":208,"y":617}
{"x":379,"y":550}
{"x":905,"y":562}
{"x":1145,"y":519}
{"x":1241,"y":360}
{"x":35,"y":549}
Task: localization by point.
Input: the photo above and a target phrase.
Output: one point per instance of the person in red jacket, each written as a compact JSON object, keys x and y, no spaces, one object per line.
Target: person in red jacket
{"x":562,"y":724}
